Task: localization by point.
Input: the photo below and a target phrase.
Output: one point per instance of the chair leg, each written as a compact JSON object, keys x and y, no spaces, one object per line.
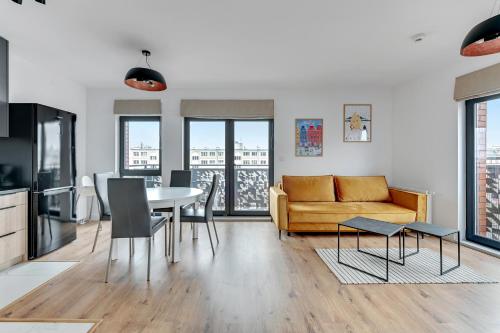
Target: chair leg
{"x":169,"y":237}
{"x":109,"y":261}
{"x":216,"y":235}
{"x":279,"y":234}
{"x":149,"y":257}
{"x":96,"y":234}
{"x":166,"y":240}
{"x":210,"y":237}
{"x":131,"y":249}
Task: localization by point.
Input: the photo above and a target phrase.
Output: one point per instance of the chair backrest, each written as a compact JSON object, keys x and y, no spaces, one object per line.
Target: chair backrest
{"x":130,"y":213}
{"x":180,"y":178}
{"x":211,"y":197}
{"x":101,"y":189}
{"x":87,"y":181}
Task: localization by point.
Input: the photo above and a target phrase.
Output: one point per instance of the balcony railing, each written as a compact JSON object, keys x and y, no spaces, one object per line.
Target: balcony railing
{"x":251,"y":186}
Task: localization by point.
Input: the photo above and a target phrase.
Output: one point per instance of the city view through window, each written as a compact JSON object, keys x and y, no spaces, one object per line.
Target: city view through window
{"x":208,"y":154}
{"x":141,"y":150}
{"x":487,"y":154}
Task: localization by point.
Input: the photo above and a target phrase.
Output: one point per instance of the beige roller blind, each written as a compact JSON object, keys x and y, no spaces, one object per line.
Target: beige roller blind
{"x":228,"y":109}
{"x":143,"y":106}
{"x":483,"y":82}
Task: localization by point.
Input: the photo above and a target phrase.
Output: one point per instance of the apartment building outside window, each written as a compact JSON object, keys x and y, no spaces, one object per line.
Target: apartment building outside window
{"x":140,"y":150}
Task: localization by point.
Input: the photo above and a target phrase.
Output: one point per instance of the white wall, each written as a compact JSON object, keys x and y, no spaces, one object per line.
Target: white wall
{"x":428,"y":139}
{"x":30,"y":83}
{"x":339,"y":157}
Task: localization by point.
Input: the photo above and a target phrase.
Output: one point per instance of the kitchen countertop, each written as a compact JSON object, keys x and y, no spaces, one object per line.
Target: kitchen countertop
{"x":5,"y":191}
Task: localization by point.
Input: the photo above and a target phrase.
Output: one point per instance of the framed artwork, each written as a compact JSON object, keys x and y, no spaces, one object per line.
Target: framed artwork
{"x":309,"y":137}
{"x":357,"y":122}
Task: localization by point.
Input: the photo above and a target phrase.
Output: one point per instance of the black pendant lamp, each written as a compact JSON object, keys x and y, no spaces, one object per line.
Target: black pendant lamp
{"x":483,"y":39}
{"x":145,"y":78}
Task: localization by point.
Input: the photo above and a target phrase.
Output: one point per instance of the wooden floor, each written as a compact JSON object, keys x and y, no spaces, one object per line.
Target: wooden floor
{"x":255,"y":283}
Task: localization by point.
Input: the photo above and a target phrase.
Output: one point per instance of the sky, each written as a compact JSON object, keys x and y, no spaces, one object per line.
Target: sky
{"x":210,"y":134}
{"x":146,"y":132}
{"x":493,"y":129}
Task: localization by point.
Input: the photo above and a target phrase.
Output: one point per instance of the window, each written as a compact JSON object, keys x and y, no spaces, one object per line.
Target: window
{"x":263,"y":153}
{"x":196,"y":158}
{"x":483,"y":171}
{"x":232,"y":147}
{"x":141,"y":137}
{"x":204,"y":153}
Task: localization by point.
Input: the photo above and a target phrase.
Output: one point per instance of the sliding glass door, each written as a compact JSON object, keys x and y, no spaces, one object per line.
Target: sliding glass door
{"x":241,"y":152}
{"x":483,"y":170}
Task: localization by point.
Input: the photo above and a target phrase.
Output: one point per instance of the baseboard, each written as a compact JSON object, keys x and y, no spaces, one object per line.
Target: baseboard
{"x":480,"y":248}
{"x":242,"y":219}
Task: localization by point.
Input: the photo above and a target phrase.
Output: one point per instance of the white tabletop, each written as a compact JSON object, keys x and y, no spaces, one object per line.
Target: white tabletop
{"x":161,"y":194}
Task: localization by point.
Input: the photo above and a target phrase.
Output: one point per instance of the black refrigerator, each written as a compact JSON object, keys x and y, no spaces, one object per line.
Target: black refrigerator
{"x":40,"y":154}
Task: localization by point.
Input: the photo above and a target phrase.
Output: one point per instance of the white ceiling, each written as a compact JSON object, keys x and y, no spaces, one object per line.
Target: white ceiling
{"x":243,"y":43}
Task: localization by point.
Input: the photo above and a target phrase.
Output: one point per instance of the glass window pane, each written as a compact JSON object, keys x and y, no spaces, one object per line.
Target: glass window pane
{"x":207,"y":155}
{"x":487,"y":169}
{"x":141,"y":145}
{"x":251,"y":166}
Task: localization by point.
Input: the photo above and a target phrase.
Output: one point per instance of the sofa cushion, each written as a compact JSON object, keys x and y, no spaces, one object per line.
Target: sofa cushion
{"x":362,"y":189}
{"x":309,"y":188}
{"x":338,"y":212}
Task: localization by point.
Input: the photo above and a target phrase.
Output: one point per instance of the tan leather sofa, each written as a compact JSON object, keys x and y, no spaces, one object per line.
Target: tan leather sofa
{"x":319,"y":203}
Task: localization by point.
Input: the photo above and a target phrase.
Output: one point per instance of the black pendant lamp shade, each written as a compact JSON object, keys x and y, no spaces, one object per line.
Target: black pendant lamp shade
{"x":483,"y":39}
{"x":145,"y":78}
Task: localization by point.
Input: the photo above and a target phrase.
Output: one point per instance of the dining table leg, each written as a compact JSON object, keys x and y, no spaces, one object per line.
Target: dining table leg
{"x":176,"y":244}
{"x":195,"y":225}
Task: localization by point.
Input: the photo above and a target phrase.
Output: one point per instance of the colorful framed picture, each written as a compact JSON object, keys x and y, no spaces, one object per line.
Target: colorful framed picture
{"x":357,"y":122}
{"x":309,"y":137}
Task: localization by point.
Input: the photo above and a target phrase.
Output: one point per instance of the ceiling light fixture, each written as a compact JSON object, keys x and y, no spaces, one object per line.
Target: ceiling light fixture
{"x":145,"y":78}
{"x":20,"y":2}
{"x":484,"y":38}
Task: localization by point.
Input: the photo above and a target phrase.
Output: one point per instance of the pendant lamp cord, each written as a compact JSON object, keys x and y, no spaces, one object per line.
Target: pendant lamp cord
{"x":147,"y":62}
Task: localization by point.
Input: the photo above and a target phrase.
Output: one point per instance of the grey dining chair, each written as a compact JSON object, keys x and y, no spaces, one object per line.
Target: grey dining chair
{"x":131,"y":215}
{"x":178,"y":178}
{"x":101,"y":190}
{"x":203,"y":214}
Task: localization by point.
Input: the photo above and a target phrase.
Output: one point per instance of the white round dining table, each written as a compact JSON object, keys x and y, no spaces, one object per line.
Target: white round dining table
{"x":173,"y":197}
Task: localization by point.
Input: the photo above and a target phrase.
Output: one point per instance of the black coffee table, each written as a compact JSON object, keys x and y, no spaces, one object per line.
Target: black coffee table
{"x":377,"y":227}
{"x":436,"y":231}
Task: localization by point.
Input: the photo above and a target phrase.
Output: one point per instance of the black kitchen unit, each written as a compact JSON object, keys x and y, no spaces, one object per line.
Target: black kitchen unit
{"x":40,"y":155}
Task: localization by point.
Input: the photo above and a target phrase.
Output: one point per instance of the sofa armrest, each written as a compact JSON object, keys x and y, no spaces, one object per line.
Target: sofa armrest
{"x":415,"y":201}
{"x":278,"y":204}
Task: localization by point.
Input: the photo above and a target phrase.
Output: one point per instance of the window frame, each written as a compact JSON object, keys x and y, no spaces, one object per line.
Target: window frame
{"x":137,"y":173}
{"x":229,"y":154}
{"x":470,"y":173}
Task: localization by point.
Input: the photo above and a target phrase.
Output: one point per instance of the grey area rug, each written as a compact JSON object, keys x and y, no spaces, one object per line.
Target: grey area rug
{"x":419,"y":269}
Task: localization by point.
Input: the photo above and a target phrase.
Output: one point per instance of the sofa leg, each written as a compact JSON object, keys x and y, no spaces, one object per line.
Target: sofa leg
{"x":288,"y":234}
{"x":279,"y":234}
